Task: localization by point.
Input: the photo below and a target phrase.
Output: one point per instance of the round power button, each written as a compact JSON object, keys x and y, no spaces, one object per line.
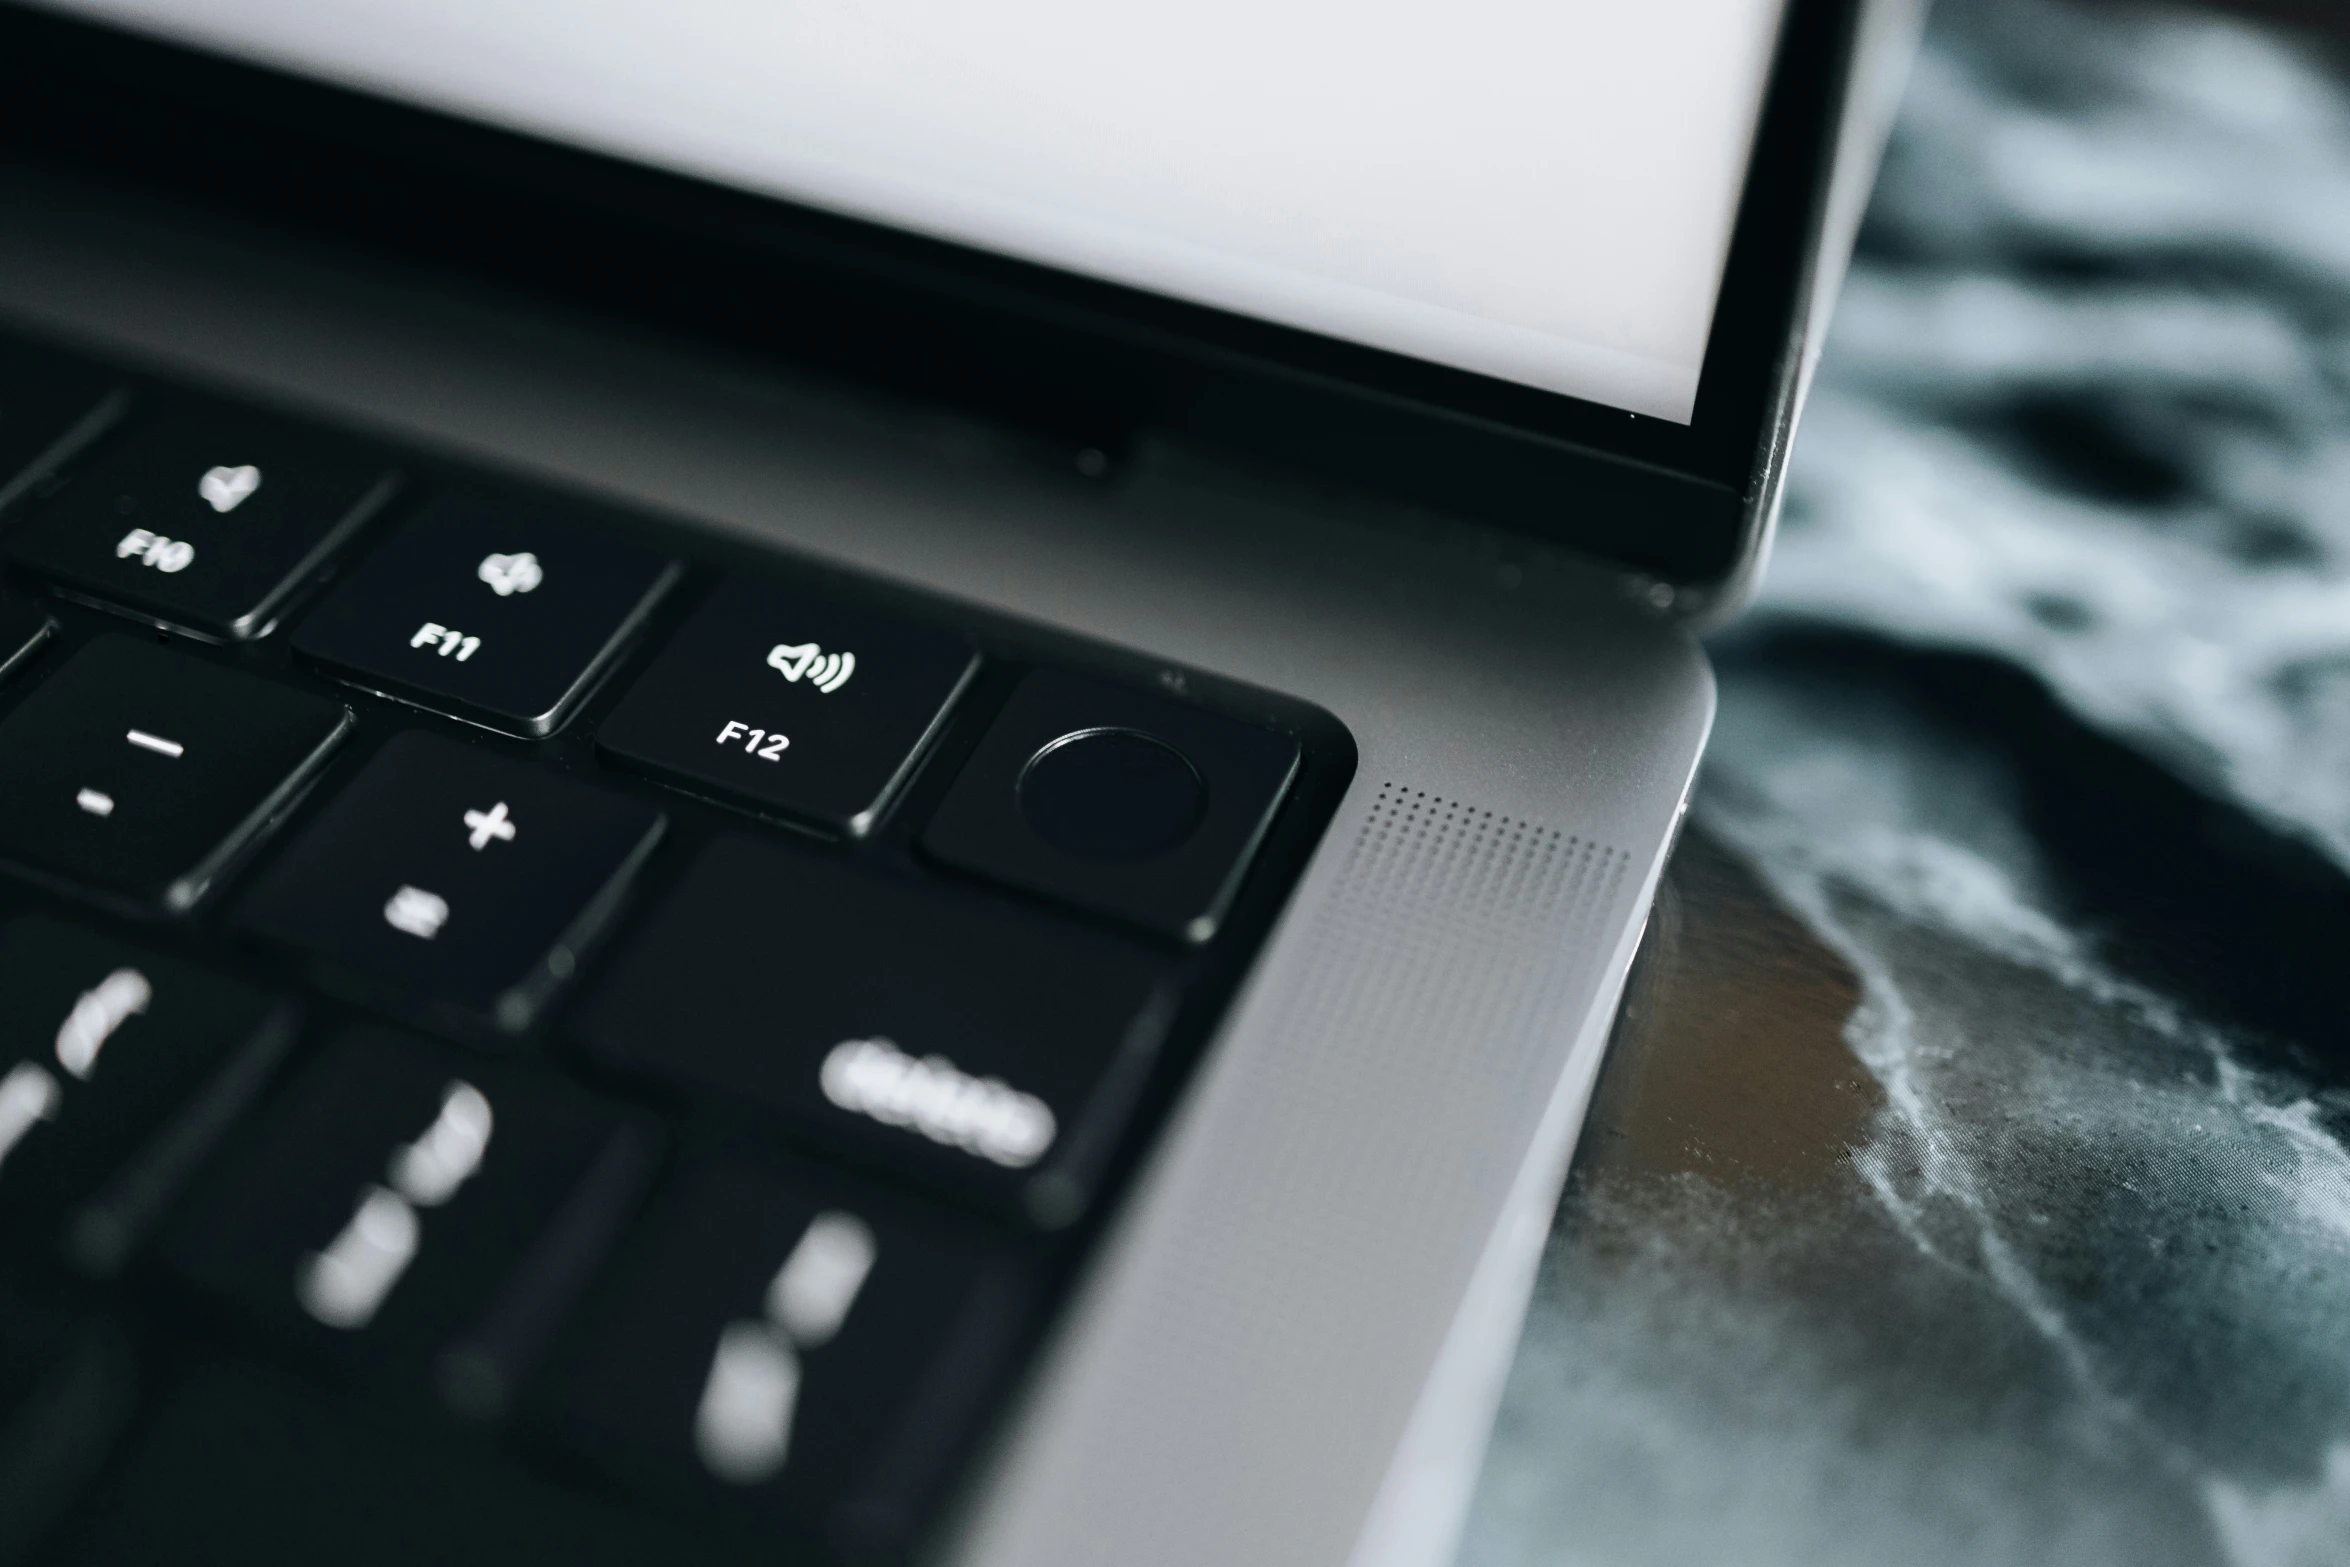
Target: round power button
{"x":1113,"y":795}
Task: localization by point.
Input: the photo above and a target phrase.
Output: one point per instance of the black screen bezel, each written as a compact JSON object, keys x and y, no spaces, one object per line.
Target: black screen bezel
{"x":1086,"y":360}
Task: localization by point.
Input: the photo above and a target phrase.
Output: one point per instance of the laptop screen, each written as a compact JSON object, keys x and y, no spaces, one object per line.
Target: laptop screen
{"x":1539,"y":191}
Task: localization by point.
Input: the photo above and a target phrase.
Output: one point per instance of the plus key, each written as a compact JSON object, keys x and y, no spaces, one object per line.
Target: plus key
{"x":396,"y":887}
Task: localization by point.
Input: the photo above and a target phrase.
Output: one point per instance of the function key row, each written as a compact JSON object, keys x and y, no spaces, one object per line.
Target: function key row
{"x":504,"y":606}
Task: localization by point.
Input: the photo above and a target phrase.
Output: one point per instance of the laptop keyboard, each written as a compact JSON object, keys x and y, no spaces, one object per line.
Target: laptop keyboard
{"x":530,"y":1031}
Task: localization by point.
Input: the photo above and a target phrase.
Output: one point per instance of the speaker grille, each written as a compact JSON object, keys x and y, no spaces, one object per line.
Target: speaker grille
{"x":1457,"y":927}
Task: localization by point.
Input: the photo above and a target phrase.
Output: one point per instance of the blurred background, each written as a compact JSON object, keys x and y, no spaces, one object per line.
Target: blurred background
{"x":1970,"y":1181}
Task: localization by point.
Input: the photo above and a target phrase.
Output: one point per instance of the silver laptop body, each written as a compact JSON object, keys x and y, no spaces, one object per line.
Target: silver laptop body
{"x":1289,"y":1344}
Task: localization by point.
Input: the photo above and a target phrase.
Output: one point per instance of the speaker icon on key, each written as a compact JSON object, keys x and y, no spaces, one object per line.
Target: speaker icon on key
{"x":796,"y":662}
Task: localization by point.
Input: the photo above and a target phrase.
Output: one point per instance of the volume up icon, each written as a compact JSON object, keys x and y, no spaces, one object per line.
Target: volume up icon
{"x":796,"y":662}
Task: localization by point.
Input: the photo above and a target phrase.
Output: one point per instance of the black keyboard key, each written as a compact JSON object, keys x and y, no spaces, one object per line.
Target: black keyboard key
{"x":799,"y":1357}
{"x":103,"y":1042}
{"x":420,"y":1217}
{"x":498,"y":607}
{"x":142,"y":772}
{"x":23,"y":629}
{"x":68,"y":1383}
{"x":786,"y":699}
{"x":1115,"y":800}
{"x":32,"y":1325}
{"x":207,"y":517}
{"x":50,"y":405}
{"x":471,"y":877}
{"x":233,"y":1470}
{"x":977,"y":1045}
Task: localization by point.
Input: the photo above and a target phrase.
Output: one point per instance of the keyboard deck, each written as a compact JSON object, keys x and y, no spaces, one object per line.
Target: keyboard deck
{"x":530,"y":1031}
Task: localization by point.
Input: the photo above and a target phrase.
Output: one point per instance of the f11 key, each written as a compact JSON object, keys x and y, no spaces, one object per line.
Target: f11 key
{"x":496,"y":606}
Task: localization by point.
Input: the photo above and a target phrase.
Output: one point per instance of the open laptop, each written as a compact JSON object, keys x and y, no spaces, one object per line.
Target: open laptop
{"x":812,"y":782}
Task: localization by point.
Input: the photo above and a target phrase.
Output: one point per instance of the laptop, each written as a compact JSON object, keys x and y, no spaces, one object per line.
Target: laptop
{"x":846,"y":784}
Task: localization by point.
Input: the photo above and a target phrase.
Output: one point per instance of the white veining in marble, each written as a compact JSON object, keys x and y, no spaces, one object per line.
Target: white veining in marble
{"x":2084,"y":1296}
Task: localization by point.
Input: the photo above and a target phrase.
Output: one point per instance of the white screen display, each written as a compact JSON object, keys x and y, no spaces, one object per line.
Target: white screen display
{"x":1540,"y":191}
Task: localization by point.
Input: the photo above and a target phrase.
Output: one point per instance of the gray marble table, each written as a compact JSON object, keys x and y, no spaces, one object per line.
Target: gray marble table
{"x":1970,"y":1179}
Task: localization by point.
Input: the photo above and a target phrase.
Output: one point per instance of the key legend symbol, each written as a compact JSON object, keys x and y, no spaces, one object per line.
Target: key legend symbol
{"x":742,"y":1427}
{"x":434,"y":635}
{"x":483,"y":826}
{"x":169,"y":556}
{"x":28,"y":1096}
{"x":97,"y":1013}
{"x":511,"y":574}
{"x":827,"y":672}
{"x":225,"y":489}
{"x":344,"y":1285}
{"x":414,"y":912}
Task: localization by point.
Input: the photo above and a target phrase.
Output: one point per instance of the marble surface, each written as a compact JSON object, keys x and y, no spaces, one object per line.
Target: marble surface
{"x":1970,"y":1179}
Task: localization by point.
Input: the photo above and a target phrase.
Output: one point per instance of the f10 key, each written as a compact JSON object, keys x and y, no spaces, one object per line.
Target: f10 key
{"x":209,"y":517}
